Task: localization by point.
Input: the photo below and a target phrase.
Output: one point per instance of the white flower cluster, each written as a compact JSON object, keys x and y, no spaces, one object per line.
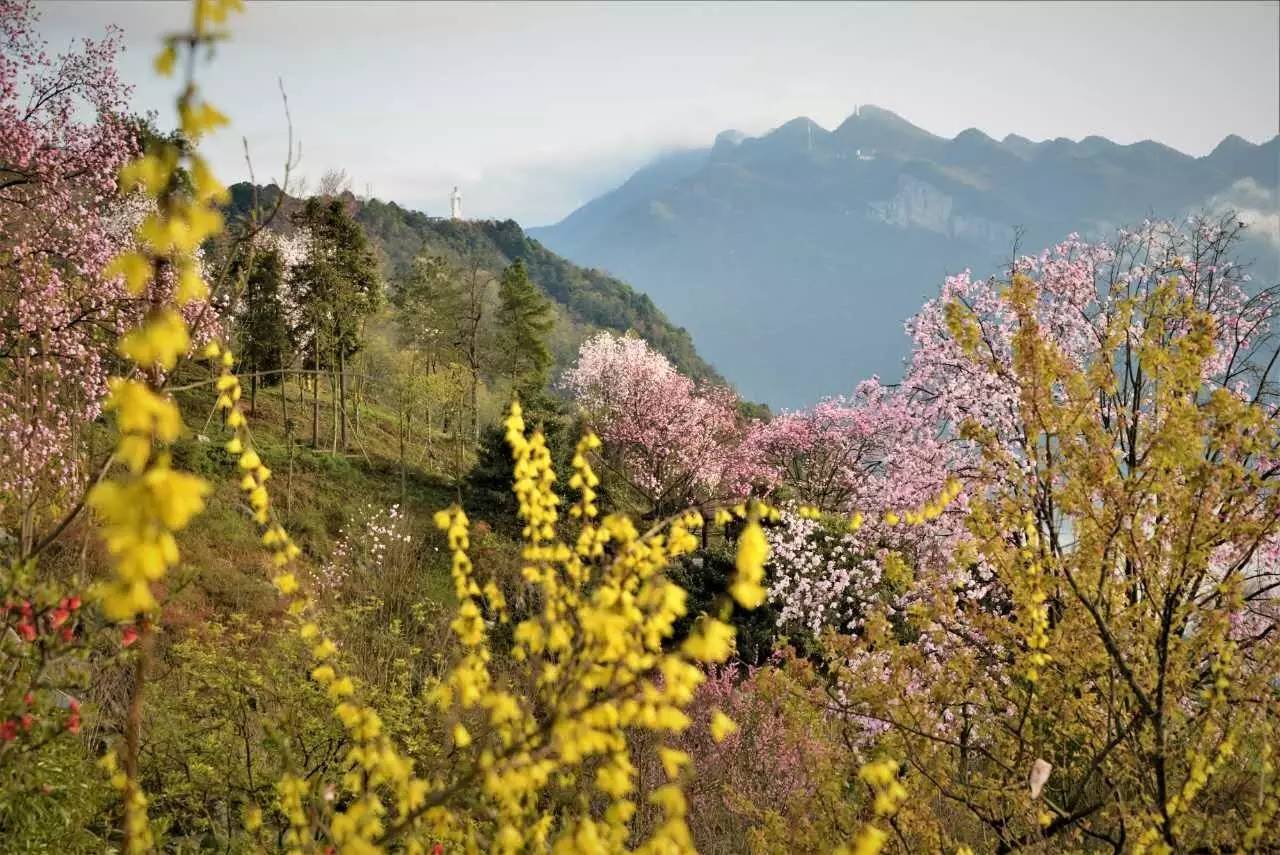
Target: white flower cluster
{"x":819,"y":577}
{"x":363,"y":546}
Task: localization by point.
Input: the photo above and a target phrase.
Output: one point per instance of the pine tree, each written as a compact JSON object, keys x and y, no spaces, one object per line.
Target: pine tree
{"x":524,"y":322}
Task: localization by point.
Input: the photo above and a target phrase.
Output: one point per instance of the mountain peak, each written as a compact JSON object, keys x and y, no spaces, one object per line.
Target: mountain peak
{"x":884,"y":131}
{"x":1232,"y":144}
{"x":872,"y":116}
{"x":730,"y":137}
{"x":871,"y":112}
{"x":972,"y":135}
{"x":800,"y":131}
{"x":803,"y":123}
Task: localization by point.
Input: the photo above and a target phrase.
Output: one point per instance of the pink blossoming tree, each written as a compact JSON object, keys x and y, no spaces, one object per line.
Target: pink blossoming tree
{"x":64,"y":134}
{"x":63,"y":138}
{"x":671,"y":441}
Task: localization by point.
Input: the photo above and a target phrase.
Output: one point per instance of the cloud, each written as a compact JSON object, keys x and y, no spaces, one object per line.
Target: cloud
{"x":534,"y":191}
{"x":1254,"y":204}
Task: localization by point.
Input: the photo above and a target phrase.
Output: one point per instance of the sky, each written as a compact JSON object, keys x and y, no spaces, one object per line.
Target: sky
{"x":535,"y":108}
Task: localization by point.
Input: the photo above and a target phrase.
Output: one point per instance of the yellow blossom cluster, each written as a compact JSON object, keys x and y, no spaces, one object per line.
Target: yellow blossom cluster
{"x":1268,"y":804}
{"x":254,"y":473}
{"x":1035,"y":611}
{"x":596,"y":654}
{"x":888,"y":795}
{"x":142,"y":508}
{"x":930,"y":510}
{"x":137,"y":830}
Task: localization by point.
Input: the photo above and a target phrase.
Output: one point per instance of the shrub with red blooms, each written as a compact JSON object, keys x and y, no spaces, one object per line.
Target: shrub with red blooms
{"x":40,"y":639}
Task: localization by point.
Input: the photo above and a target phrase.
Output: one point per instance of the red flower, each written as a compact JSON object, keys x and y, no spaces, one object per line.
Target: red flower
{"x":128,"y":635}
{"x":28,"y":699}
{"x":437,"y":849}
{"x":27,"y":631}
{"x":58,"y":617}
{"x":27,"y":721}
{"x":8,"y":731}
{"x":68,"y":633}
{"x":73,"y":602}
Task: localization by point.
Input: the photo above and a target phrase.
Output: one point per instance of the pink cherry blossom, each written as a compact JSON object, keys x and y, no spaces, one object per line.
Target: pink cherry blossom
{"x":673,"y":441}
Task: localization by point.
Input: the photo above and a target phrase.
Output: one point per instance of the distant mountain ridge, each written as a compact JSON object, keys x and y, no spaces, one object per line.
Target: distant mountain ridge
{"x":794,"y":257}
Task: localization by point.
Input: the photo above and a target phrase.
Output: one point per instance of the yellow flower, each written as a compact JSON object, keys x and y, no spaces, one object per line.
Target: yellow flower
{"x":324,"y":649}
{"x":191,"y":286}
{"x":285,"y":583}
{"x":159,"y":341}
{"x":673,"y":760}
{"x":710,"y":641}
{"x":134,"y":267}
{"x":164,"y":60}
{"x":870,"y":841}
{"x":721,"y":726}
{"x":753,"y":551}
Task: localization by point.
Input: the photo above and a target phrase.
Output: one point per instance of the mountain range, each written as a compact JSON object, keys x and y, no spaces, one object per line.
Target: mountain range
{"x":794,"y":257}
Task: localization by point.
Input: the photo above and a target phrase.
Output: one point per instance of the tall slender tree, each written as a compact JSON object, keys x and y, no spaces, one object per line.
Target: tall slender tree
{"x":524,"y":323}
{"x":262,"y":329}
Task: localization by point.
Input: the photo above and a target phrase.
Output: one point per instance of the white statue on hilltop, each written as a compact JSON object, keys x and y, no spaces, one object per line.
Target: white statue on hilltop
{"x":455,"y":205}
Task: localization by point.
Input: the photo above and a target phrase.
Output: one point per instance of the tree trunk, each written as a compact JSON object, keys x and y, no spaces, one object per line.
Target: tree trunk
{"x":315,"y":403}
{"x":253,"y":392}
{"x":475,"y":405}
{"x":333,"y":409}
{"x":342,"y":394}
{"x":288,"y":433}
{"x":284,"y":401}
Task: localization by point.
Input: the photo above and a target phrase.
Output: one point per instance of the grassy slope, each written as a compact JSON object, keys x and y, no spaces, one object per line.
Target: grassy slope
{"x":228,"y":569}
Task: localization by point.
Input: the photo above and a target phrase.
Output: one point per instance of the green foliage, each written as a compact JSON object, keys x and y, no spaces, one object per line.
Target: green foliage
{"x":338,"y":284}
{"x":488,"y":484}
{"x":262,"y":329}
{"x":524,"y":322}
{"x":226,"y":716}
{"x":705,"y":577}
{"x":585,"y":299}
{"x":54,"y":800}
{"x":428,"y":306}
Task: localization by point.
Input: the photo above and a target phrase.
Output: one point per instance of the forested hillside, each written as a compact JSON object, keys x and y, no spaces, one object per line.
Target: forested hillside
{"x":586,"y":299}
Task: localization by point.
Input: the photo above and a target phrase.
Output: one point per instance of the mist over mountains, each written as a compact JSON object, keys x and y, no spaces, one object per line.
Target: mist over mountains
{"x":794,"y":257}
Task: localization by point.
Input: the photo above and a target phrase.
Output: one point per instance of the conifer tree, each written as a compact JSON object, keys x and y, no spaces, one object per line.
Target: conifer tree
{"x":524,"y":322}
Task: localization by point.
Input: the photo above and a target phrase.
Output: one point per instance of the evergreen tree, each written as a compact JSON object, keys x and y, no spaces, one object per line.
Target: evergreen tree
{"x":262,"y":331}
{"x":524,"y":324}
{"x":338,"y":287}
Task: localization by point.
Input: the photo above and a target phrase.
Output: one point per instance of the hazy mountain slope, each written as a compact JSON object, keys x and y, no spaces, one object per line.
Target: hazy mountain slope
{"x":586,"y":299}
{"x":794,"y":257}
